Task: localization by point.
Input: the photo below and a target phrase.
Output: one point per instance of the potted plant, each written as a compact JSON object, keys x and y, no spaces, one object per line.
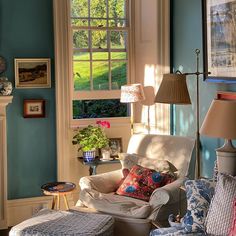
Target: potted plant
{"x":91,"y":138}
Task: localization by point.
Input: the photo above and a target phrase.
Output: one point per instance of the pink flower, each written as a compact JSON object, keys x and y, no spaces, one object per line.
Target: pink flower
{"x":103,"y":123}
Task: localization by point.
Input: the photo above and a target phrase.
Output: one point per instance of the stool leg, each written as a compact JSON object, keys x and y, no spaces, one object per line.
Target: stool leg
{"x":53,"y":202}
{"x":66,"y":202}
{"x":58,"y":202}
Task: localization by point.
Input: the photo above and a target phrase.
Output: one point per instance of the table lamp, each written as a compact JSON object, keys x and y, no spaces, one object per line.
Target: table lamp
{"x":220,"y":122}
{"x":130,"y":94}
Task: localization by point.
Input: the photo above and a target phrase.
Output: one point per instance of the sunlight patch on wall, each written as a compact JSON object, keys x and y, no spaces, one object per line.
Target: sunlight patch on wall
{"x":155,"y":117}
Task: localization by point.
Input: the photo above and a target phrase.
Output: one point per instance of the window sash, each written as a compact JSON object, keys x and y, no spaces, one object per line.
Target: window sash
{"x":98,"y":94}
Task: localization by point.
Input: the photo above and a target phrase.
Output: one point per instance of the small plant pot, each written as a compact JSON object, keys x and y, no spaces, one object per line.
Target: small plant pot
{"x":89,"y":155}
{"x":106,"y":153}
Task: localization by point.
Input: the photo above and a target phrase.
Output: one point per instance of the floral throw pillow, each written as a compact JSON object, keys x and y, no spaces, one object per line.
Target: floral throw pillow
{"x":199,"y":194}
{"x":142,"y":181}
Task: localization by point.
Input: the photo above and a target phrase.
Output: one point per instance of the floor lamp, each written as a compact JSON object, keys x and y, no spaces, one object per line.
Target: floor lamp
{"x":173,"y":90}
{"x":132,"y":93}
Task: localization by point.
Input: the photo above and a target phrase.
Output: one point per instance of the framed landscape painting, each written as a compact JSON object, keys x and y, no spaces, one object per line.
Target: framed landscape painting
{"x":219,"y":24}
{"x":32,"y":73}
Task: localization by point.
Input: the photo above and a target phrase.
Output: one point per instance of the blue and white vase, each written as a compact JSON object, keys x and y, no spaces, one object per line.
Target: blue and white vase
{"x":89,"y":155}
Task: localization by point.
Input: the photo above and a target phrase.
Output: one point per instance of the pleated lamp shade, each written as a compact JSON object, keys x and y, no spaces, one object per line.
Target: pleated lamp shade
{"x":220,"y":120}
{"x":173,"y":90}
{"x":132,"y":93}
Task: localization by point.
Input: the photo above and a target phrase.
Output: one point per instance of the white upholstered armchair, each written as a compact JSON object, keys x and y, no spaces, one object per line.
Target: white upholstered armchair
{"x":134,"y":216}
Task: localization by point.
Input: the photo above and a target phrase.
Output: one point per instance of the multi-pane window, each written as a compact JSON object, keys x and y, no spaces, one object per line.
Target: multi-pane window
{"x":100,"y":31}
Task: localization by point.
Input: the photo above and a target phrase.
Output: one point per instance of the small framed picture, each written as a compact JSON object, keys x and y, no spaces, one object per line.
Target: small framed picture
{"x":115,"y":145}
{"x":34,"y":108}
{"x":32,"y":73}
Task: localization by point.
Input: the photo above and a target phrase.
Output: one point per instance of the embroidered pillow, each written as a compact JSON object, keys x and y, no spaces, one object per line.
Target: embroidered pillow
{"x":199,"y":194}
{"x":220,"y":215}
{"x":141,"y":182}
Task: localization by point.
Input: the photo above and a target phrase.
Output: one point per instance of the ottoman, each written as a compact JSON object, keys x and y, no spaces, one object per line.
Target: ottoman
{"x":48,"y":222}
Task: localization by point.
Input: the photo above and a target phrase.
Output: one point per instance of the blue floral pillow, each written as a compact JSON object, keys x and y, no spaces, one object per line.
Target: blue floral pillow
{"x":199,"y":194}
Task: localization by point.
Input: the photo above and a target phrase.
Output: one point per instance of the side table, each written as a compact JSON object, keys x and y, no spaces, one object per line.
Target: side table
{"x":97,"y":161}
{"x":57,"y":189}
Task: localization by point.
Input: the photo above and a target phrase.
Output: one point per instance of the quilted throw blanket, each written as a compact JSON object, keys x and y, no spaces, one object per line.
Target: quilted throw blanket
{"x":49,"y":222}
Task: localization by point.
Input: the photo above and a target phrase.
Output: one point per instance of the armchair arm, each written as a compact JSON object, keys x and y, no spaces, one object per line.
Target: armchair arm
{"x":103,"y":183}
{"x":169,"y":193}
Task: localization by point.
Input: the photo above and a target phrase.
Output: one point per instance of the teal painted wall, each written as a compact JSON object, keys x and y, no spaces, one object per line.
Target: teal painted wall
{"x":26,"y":31}
{"x":187,"y":35}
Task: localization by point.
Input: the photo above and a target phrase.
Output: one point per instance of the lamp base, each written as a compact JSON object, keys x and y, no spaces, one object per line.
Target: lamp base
{"x":226,"y":163}
{"x":226,"y":158}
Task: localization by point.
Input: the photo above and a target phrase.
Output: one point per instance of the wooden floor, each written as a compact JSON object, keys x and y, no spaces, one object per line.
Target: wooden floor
{"x":4,"y":232}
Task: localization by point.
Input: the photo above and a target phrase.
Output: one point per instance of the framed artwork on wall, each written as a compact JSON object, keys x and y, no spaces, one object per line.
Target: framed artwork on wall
{"x":219,"y":26}
{"x":32,"y":73}
{"x":34,"y":108}
{"x":115,"y":145}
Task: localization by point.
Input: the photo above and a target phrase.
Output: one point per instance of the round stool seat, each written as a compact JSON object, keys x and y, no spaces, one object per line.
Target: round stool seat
{"x":56,"y":189}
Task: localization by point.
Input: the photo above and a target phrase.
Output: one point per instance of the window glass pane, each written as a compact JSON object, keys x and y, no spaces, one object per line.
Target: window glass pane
{"x":79,"y":22}
{"x":98,"y":8}
{"x":100,"y":75}
{"x":118,"y":74}
{"x":117,"y":9}
{"x":98,"y":23}
{"x":99,"y":39}
{"x":81,"y":56}
{"x":99,"y":109}
{"x":81,"y":75}
{"x":117,"y":23}
{"x":79,"y":8}
{"x":118,"y":39}
{"x":118,"y":55}
{"x":100,"y":55}
{"x":80,"y":39}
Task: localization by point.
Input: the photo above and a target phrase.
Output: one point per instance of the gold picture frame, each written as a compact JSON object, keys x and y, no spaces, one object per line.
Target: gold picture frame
{"x":32,"y":73}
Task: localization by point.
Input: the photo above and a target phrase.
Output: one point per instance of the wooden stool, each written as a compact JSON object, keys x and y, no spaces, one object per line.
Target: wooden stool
{"x":57,"y":189}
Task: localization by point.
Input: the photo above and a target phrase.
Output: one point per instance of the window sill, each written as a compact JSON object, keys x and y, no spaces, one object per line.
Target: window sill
{"x":114,"y":121}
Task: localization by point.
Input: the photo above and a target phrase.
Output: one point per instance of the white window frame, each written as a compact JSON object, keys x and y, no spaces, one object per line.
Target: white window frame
{"x":98,"y":94}
{"x":65,"y":163}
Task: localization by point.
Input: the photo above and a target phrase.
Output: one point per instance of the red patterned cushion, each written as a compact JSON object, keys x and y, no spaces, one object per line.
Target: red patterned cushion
{"x":141,"y":182}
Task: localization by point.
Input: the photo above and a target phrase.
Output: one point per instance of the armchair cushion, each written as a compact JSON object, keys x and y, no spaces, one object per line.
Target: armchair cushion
{"x":114,"y":204}
{"x":141,"y":182}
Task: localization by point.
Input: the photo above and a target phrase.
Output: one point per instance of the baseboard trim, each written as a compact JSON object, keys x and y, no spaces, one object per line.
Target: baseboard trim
{"x":21,"y":209}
